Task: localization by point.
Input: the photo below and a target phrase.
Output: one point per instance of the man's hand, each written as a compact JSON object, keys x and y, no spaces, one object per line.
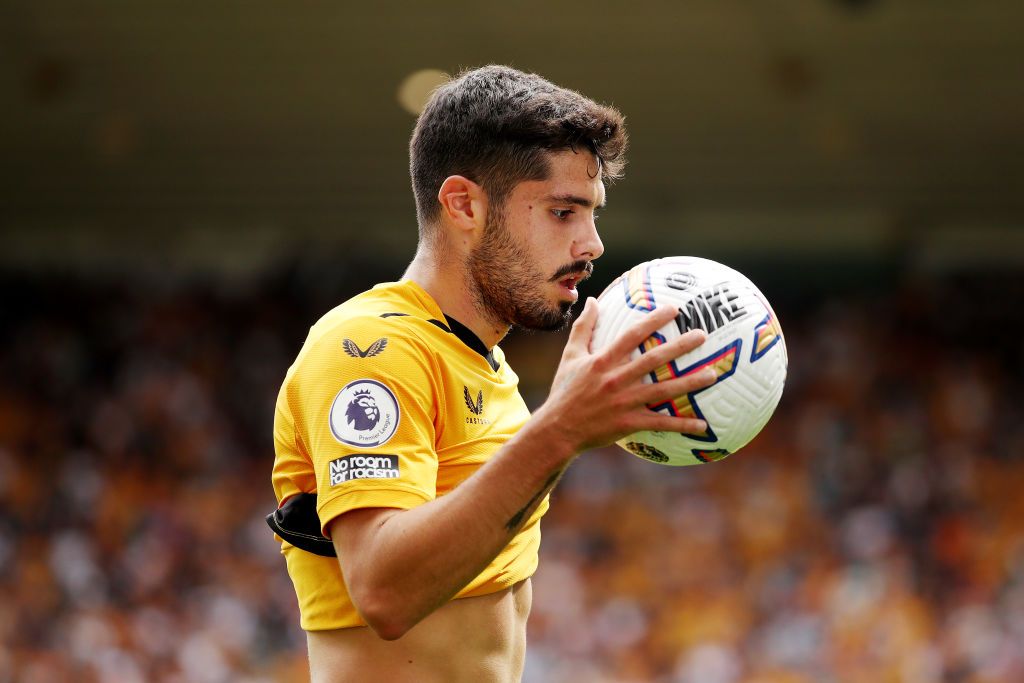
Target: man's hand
{"x":599,"y":395}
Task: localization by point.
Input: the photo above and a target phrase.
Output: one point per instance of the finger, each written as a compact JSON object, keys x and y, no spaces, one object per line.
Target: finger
{"x":583,"y":329}
{"x":638,"y":333}
{"x":659,"y":392}
{"x":656,"y":422}
{"x":660,"y":355}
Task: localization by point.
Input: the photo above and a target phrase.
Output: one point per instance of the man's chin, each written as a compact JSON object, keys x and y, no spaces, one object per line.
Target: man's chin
{"x":550,"y":320}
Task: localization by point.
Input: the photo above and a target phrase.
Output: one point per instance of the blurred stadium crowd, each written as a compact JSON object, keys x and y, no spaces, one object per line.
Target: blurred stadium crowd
{"x":873,"y":533}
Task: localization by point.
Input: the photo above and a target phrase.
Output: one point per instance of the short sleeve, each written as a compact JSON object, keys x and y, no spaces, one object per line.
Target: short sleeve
{"x":365,"y":405}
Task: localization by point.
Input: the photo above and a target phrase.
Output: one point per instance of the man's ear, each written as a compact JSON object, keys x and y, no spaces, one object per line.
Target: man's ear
{"x":463,"y":204}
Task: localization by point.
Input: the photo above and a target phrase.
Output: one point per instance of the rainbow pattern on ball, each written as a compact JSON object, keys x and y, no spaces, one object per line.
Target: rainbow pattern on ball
{"x":766,"y":334}
{"x":638,"y":289}
{"x":723,"y":362}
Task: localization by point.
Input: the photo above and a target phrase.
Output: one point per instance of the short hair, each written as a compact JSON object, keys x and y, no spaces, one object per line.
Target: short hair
{"x":495,"y":125}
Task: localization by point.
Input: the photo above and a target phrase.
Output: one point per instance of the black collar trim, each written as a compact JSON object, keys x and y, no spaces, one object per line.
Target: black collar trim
{"x":467,"y":337}
{"x":464,"y":334}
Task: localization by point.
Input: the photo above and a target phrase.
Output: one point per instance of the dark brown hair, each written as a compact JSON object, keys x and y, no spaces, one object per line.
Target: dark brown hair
{"x":494,"y":125}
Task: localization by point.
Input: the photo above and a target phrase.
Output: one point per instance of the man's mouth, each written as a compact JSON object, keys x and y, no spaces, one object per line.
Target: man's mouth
{"x":571,"y":281}
{"x":570,"y":276}
{"x":578,"y":271}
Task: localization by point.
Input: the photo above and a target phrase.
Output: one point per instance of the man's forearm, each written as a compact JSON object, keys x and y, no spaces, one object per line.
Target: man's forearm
{"x":415,"y":561}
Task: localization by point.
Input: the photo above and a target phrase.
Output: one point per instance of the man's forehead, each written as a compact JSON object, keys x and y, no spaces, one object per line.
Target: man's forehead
{"x":587,"y":198}
{"x":568,"y":188}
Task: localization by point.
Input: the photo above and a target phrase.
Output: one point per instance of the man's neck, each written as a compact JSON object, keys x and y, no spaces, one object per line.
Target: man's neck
{"x":448,"y":283}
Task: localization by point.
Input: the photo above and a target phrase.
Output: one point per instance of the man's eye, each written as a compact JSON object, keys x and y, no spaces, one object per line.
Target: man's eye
{"x":561,"y":214}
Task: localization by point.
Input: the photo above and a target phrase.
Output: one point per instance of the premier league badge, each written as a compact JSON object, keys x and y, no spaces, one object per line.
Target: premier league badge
{"x":364,"y":414}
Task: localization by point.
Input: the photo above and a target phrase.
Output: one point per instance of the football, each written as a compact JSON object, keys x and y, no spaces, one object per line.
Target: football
{"x":744,"y":345}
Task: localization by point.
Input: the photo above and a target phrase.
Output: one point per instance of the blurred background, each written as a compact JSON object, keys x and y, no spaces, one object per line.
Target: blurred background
{"x":186,"y":188}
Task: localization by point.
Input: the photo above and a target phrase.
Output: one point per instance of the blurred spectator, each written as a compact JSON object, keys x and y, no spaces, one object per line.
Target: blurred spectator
{"x":873,"y":533}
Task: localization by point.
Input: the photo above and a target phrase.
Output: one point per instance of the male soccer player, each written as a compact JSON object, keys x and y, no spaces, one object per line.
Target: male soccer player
{"x":403,"y":418}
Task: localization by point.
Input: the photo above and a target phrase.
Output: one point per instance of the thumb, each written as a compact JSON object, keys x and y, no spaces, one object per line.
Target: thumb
{"x":583,"y":328}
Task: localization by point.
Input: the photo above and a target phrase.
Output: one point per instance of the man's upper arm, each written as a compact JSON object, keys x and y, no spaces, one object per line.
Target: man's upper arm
{"x":356,"y":529}
{"x":365,"y":402}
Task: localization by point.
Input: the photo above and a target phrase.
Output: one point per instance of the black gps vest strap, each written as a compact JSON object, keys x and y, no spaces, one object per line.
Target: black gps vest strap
{"x":297,"y":522}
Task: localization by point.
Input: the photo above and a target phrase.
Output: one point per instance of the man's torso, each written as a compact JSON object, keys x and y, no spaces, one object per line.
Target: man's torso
{"x":454,"y":408}
{"x":475,"y":640}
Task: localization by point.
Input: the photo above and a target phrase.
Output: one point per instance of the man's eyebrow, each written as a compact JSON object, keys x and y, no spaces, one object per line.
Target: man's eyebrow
{"x":573,"y":199}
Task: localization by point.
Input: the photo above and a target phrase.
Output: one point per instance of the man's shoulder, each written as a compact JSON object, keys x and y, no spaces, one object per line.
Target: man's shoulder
{"x":384,"y":301}
{"x":390,"y":314}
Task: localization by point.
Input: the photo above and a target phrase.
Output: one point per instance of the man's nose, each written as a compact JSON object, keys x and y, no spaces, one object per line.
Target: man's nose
{"x":588,"y":246}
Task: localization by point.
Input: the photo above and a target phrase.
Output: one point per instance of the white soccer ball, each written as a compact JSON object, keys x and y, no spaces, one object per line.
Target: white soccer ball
{"x":744,"y":345}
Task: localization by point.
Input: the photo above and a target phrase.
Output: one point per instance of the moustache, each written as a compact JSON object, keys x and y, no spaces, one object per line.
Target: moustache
{"x":586,"y":267}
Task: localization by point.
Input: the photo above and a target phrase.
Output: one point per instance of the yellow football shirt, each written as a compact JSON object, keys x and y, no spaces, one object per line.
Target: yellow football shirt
{"x":391,"y":404}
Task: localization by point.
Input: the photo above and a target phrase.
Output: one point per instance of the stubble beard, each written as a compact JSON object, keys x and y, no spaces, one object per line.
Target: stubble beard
{"x":508,"y":289}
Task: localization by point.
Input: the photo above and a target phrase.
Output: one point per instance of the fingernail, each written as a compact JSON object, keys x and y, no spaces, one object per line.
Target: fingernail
{"x":709,"y":374}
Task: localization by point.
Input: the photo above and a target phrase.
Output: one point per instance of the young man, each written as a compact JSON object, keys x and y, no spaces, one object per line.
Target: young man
{"x":401,"y":414}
